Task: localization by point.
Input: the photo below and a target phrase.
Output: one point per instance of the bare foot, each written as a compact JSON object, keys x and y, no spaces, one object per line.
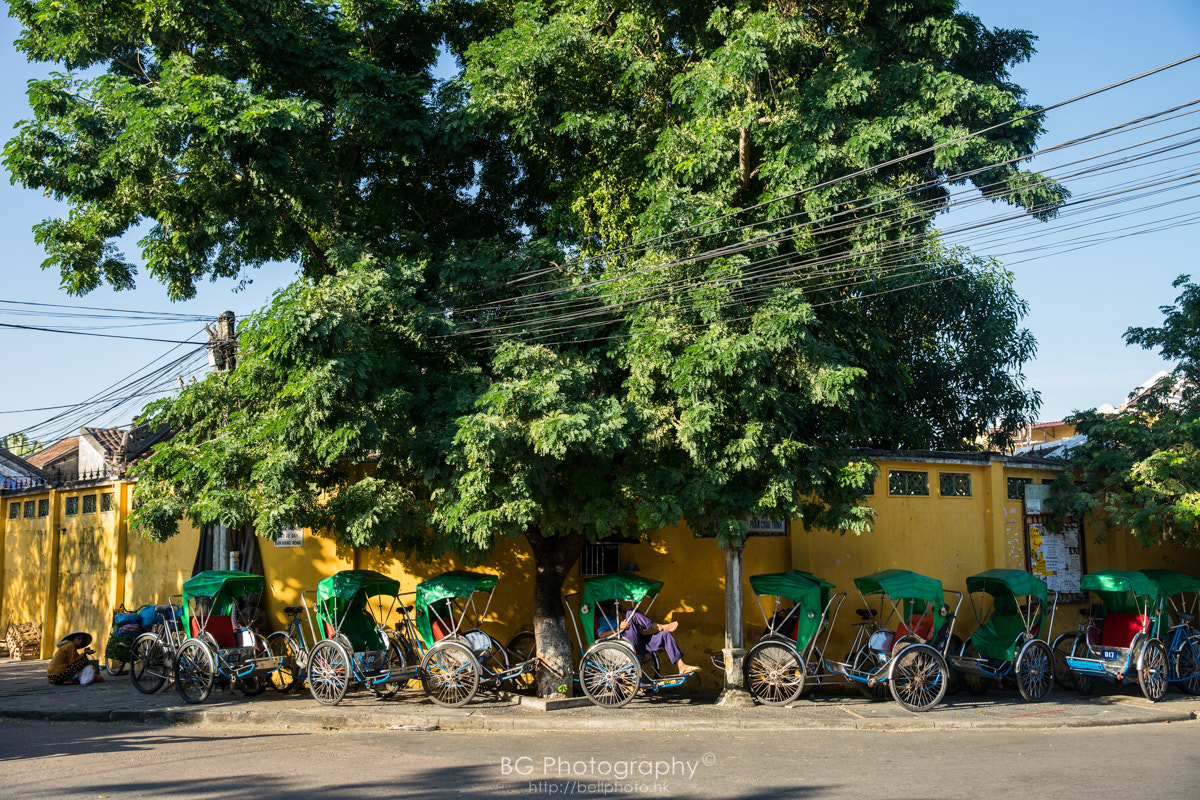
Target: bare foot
{"x":669,"y":627}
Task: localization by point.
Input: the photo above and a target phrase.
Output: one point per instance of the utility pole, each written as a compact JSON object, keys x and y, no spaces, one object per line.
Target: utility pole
{"x":222,"y":343}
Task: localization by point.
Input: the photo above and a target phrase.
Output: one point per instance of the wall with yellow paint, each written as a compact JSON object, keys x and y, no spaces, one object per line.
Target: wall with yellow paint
{"x":26,"y":564}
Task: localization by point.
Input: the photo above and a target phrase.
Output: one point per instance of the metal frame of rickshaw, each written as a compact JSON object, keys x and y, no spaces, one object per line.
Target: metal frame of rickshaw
{"x":202,"y":662}
{"x":1032,"y":665}
{"x":1182,"y":639}
{"x":334,"y":666}
{"x":152,"y":654}
{"x":454,"y":667}
{"x":611,"y":671}
{"x":777,"y":670}
{"x":914,"y":671}
{"x":1143,"y":660}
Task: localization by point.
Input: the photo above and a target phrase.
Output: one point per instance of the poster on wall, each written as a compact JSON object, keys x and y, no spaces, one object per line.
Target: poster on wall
{"x":1055,"y":556}
{"x":290,"y":537}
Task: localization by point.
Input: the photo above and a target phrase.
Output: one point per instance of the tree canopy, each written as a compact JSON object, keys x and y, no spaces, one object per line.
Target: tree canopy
{"x":636,"y":262}
{"x":1140,"y":467}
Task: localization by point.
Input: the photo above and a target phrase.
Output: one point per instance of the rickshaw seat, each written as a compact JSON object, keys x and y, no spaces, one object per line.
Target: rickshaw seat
{"x":220,"y":627}
{"x":1119,"y":629}
{"x":919,"y":625}
{"x":439,"y":630}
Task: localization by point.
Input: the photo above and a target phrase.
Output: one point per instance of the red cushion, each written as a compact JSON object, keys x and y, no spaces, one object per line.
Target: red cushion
{"x":1119,"y":629}
{"x":220,"y":627}
{"x":920,"y":625}
{"x":439,"y":631}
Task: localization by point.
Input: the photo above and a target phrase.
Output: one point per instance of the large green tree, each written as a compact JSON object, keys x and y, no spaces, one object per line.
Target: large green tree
{"x":610,"y":276}
{"x":1139,"y":468}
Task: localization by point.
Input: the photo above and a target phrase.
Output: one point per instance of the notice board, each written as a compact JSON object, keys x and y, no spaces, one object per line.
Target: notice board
{"x":1055,"y":553}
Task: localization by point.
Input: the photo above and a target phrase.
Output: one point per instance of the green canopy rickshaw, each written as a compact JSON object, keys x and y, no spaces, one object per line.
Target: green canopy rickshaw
{"x":221,"y":648}
{"x":611,"y":670}
{"x":352,"y":610}
{"x":787,"y":658}
{"x":1123,"y":645}
{"x":1007,"y":643}
{"x":902,"y":642}
{"x":1177,"y":626}
{"x":461,"y":657}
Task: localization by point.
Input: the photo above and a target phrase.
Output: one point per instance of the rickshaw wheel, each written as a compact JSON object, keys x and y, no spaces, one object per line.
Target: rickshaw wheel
{"x":114,"y":666}
{"x":328,"y":672}
{"x":147,"y":664}
{"x":1064,"y":646}
{"x":1186,"y":663}
{"x":917,"y":677}
{"x":774,"y":673}
{"x":1035,"y":671}
{"x":976,"y":684}
{"x":254,"y":685}
{"x":195,"y":671}
{"x":1084,"y":684}
{"x":864,"y":661}
{"x":522,"y":648}
{"x":1152,"y":670}
{"x":288,"y":676}
{"x":450,"y":674}
{"x":394,"y":662}
{"x":610,"y":674}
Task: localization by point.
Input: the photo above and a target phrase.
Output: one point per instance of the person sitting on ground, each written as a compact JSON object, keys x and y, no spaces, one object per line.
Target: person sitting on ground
{"x":70,"y":663}
{"x":648,"y":636}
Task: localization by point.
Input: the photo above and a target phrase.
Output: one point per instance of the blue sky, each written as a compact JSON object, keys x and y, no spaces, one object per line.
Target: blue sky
{"x":1080,"y":302}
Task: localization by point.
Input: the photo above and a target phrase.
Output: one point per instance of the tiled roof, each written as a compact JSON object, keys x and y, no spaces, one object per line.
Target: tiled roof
{"x":47,"y":454}
{"x":108,"y":438}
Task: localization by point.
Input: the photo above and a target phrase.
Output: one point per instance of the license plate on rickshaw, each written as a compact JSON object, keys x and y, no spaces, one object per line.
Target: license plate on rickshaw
{"x":1111,"y":655}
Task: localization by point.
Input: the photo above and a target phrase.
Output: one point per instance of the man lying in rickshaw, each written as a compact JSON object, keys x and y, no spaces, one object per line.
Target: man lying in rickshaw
{"x":646,"y":635}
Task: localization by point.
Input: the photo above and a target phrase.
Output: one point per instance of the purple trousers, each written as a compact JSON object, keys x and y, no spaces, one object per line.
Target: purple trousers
{"x":644,"y":642}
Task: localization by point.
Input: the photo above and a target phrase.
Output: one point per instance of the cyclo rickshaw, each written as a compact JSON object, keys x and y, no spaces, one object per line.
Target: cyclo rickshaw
{"x":1007,"y":644}
{"x":1177,"y":623}
{"x":1122,"y":645}
{"x":221,"y":649}
{"x":611,"y":671}
{"x":787,"y":658}
{"x":461,"y":658}
{"x":902,"y":643}
{"x":352,"y":609}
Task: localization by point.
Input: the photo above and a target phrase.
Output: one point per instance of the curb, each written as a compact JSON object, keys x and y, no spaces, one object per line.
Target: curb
{"x":606,"y":722}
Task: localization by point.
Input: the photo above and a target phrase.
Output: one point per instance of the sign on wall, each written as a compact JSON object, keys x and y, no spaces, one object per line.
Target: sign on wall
{"x":1056,"y":556}
{"x":290,"y":537}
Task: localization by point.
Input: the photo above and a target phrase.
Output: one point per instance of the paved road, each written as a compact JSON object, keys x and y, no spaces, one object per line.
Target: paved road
{"x":105,"y":761}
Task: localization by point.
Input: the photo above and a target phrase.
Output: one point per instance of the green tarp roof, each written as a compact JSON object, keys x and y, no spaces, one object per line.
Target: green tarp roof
{"x":900,"y":583}
{"x":617,"y":586}
{"x":448,"y":585}
{"x":997,"y":638}
{"x":224,"y":586}
{"x":1016,"y":582}
{"x":1115,"y":580}
{"x":1170,"y":582}
{"x":347,"y":584}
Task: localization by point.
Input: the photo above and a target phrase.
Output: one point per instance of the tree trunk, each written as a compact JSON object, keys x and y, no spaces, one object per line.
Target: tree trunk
{"x":553,"y":557}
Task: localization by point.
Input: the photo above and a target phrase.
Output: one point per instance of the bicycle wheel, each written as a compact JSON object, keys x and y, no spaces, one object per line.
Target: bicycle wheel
{"x":976,"y":684}
{"x":1185,"y":663}
{"x":773,"y":673}
{"x":289,"y":675}
{"x":329,"y":672}
{"x":1035,"y":671}
{"x":1064,"y":646}
{"x":610,"y":675}
{"x":395,"y":664}
{"x":450,"y":674}
{"x":864,"y":661}
{"x":115,"y":666}
{"x":195,"y":671}
{"x":522,"y":648}
{"x":1152,"y":670}
{"x":917,"y":677}
{"x":147,"y":664}
{"x":256,"y":684}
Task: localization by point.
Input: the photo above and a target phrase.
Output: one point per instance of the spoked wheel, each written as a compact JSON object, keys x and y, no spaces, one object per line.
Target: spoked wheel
{"x":147,"y":664}
{"x":329,"y":672}
{"x":395,"y":663}
{"x":1185,"y":661}
{"x":494,"y":660}
{"x":290,"y":673}
{"x":115,"y":666}
{"x":1084,"y":684}
{"x":774,"y":673}
{"x":918,"y":677}
{"x":865,"y":661}
{"x":610,"y":675}
{"x":522,"y":648}
{"x":1152,"y":670}
{"x":1035,"y":671}
{"x":1064,"y":646}
{"x":957,"y":679}
{"x":254,"y":685}
{"x":975,"y":684}
{"x":450,"y":674}
{"x":195,"y":671}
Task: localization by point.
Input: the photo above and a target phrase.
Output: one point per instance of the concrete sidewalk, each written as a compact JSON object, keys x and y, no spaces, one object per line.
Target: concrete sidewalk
{"x":25,"y":694}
